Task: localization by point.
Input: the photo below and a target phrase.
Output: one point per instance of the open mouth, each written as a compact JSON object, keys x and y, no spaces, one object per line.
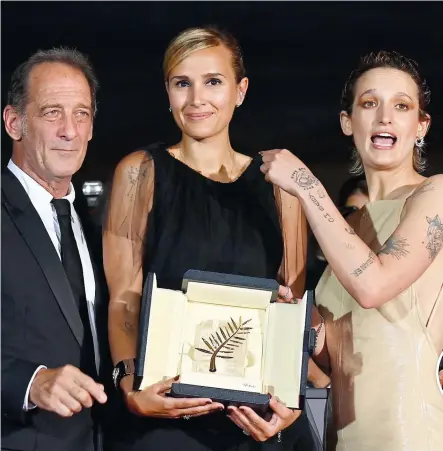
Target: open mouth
{"x":383,"y":139}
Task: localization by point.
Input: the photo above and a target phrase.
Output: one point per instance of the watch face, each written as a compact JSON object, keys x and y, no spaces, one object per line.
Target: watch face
{"x":115,"y":375}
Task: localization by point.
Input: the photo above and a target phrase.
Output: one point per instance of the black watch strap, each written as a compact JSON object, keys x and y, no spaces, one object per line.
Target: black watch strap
{"x":124,"y":368}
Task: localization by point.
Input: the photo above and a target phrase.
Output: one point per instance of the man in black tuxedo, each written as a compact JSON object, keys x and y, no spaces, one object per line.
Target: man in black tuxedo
{"x":53,"y":342}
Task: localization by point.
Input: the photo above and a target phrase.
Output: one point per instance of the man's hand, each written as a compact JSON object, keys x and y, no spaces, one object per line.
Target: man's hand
{"x":65,"y":390}
{"x":152,"y":402}
{"x":259,"y":429}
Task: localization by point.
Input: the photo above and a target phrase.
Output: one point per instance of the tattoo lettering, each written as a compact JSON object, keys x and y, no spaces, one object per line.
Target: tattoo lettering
{"x":317,"y":203}
{"x":304,"y":179}
{"x":423,"y":189}
{"x":350,"y":230}
{"x":328,"y":217}
{"x":349,"y":246}
{"x":395,"y":246}
{"x":435,"y":236}
{"x":358,"y":271}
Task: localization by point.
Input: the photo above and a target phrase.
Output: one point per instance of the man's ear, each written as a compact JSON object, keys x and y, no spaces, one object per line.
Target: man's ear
{"x":13,"y":123}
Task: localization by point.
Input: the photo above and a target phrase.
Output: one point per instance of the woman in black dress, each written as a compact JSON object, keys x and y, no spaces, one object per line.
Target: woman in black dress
{"x":196,"y":205}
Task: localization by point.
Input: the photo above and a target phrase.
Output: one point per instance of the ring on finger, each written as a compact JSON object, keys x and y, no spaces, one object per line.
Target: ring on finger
{"x":187,"y":417}
{"x":246,"y":432}
{"x":285,"y":296}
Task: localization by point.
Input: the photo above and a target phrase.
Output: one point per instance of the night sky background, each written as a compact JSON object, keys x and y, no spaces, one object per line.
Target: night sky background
{"x":298,"y":56}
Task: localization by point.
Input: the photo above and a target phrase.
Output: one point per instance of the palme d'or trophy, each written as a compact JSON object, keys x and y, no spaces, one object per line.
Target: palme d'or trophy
{"x":228,"y":340}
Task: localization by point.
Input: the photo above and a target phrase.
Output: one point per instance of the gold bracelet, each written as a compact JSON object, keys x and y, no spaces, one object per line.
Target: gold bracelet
{"x":317,"y":333}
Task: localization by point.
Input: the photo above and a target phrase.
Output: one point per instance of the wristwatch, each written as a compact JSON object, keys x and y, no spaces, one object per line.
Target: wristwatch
{"x":124,"y":368}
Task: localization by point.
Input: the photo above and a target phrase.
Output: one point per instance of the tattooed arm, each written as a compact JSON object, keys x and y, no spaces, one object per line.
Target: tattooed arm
{"x":129,"y":205}
{"x":372,"y":278}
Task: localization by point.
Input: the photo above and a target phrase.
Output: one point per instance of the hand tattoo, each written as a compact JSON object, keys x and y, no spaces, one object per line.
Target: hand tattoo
{"x":358,"y":271}
{"x":304,"y":179}
{"x":435,"y":236}
{"x":395,"y":246}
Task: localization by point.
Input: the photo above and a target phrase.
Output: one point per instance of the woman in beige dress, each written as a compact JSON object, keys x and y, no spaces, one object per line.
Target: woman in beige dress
{"x":381,"y":298}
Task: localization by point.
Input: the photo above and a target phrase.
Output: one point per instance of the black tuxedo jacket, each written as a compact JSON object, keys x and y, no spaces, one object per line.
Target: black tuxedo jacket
{"x":41,"y":325}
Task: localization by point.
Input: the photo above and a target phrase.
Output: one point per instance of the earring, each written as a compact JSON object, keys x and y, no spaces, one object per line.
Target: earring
{"x":170,"y":109}
{"x":419,"y":142}
{"x":241,"y":98}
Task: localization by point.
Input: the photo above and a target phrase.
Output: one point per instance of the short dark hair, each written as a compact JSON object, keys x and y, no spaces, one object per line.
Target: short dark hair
{"x":392,"y":60}
{"x":385,"y":59}
{"x":19,"y":86}
{"x":352,"y":186}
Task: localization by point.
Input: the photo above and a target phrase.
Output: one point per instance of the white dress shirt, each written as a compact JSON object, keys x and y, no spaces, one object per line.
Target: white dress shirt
{"x":41,"y":200}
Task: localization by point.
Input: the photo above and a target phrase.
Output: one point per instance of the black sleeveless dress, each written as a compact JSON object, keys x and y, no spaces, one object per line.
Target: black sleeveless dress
{"x":198,"y":223}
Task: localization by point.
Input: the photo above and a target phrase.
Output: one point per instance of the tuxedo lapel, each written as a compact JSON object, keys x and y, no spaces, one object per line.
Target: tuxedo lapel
{"x":31,"y":228}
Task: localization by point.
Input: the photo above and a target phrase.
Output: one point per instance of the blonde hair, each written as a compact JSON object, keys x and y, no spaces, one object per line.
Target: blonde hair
{"x":200,"y":38}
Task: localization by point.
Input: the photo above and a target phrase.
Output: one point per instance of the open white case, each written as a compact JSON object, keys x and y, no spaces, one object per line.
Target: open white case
{"x":227,"y":338}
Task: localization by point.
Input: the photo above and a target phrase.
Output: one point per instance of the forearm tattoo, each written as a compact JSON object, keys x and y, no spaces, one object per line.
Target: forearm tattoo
{"x":129,"y":328}
{"x":350,"y":230}
{"x":434,"y":236}
{"x":365,"y":265}
{"x":321,"y":193}
{"x":395,"y":246}
{"x":317,"y":203}
{"x":304,"y":179}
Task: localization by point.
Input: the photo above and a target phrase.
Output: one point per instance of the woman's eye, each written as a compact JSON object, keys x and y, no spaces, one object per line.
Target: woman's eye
{"x":369,"y":103}
{"x":402,"y":106}
{"x":182,"y":83}
{"x":214,"y":81}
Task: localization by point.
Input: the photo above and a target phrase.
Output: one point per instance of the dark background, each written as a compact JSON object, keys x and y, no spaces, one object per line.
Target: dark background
{"x":297,"y":56}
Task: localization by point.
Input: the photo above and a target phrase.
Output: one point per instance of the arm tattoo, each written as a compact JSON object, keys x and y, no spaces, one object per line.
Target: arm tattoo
{"x":129,"y":328}
{"x":365,"y":265}
{"x":321,"y":193}
{"x":134,"y":174}
{"x":317,"y":203}
{"x":304,"y":179}
{"x":350,"y":230}
{"x":395,"y":246}
{"x":423,"y":189}
{"x":435,"y":236}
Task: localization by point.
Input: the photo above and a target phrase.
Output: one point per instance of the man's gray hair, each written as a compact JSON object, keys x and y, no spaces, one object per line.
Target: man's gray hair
{"x":19,"y":86}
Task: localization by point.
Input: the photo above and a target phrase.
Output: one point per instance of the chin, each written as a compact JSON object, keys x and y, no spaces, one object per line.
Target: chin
{"x":200,"y":135}
{"x":66,"y":170}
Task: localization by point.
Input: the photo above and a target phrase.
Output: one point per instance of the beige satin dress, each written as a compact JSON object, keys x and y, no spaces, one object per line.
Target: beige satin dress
{"x":385,"y":390}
